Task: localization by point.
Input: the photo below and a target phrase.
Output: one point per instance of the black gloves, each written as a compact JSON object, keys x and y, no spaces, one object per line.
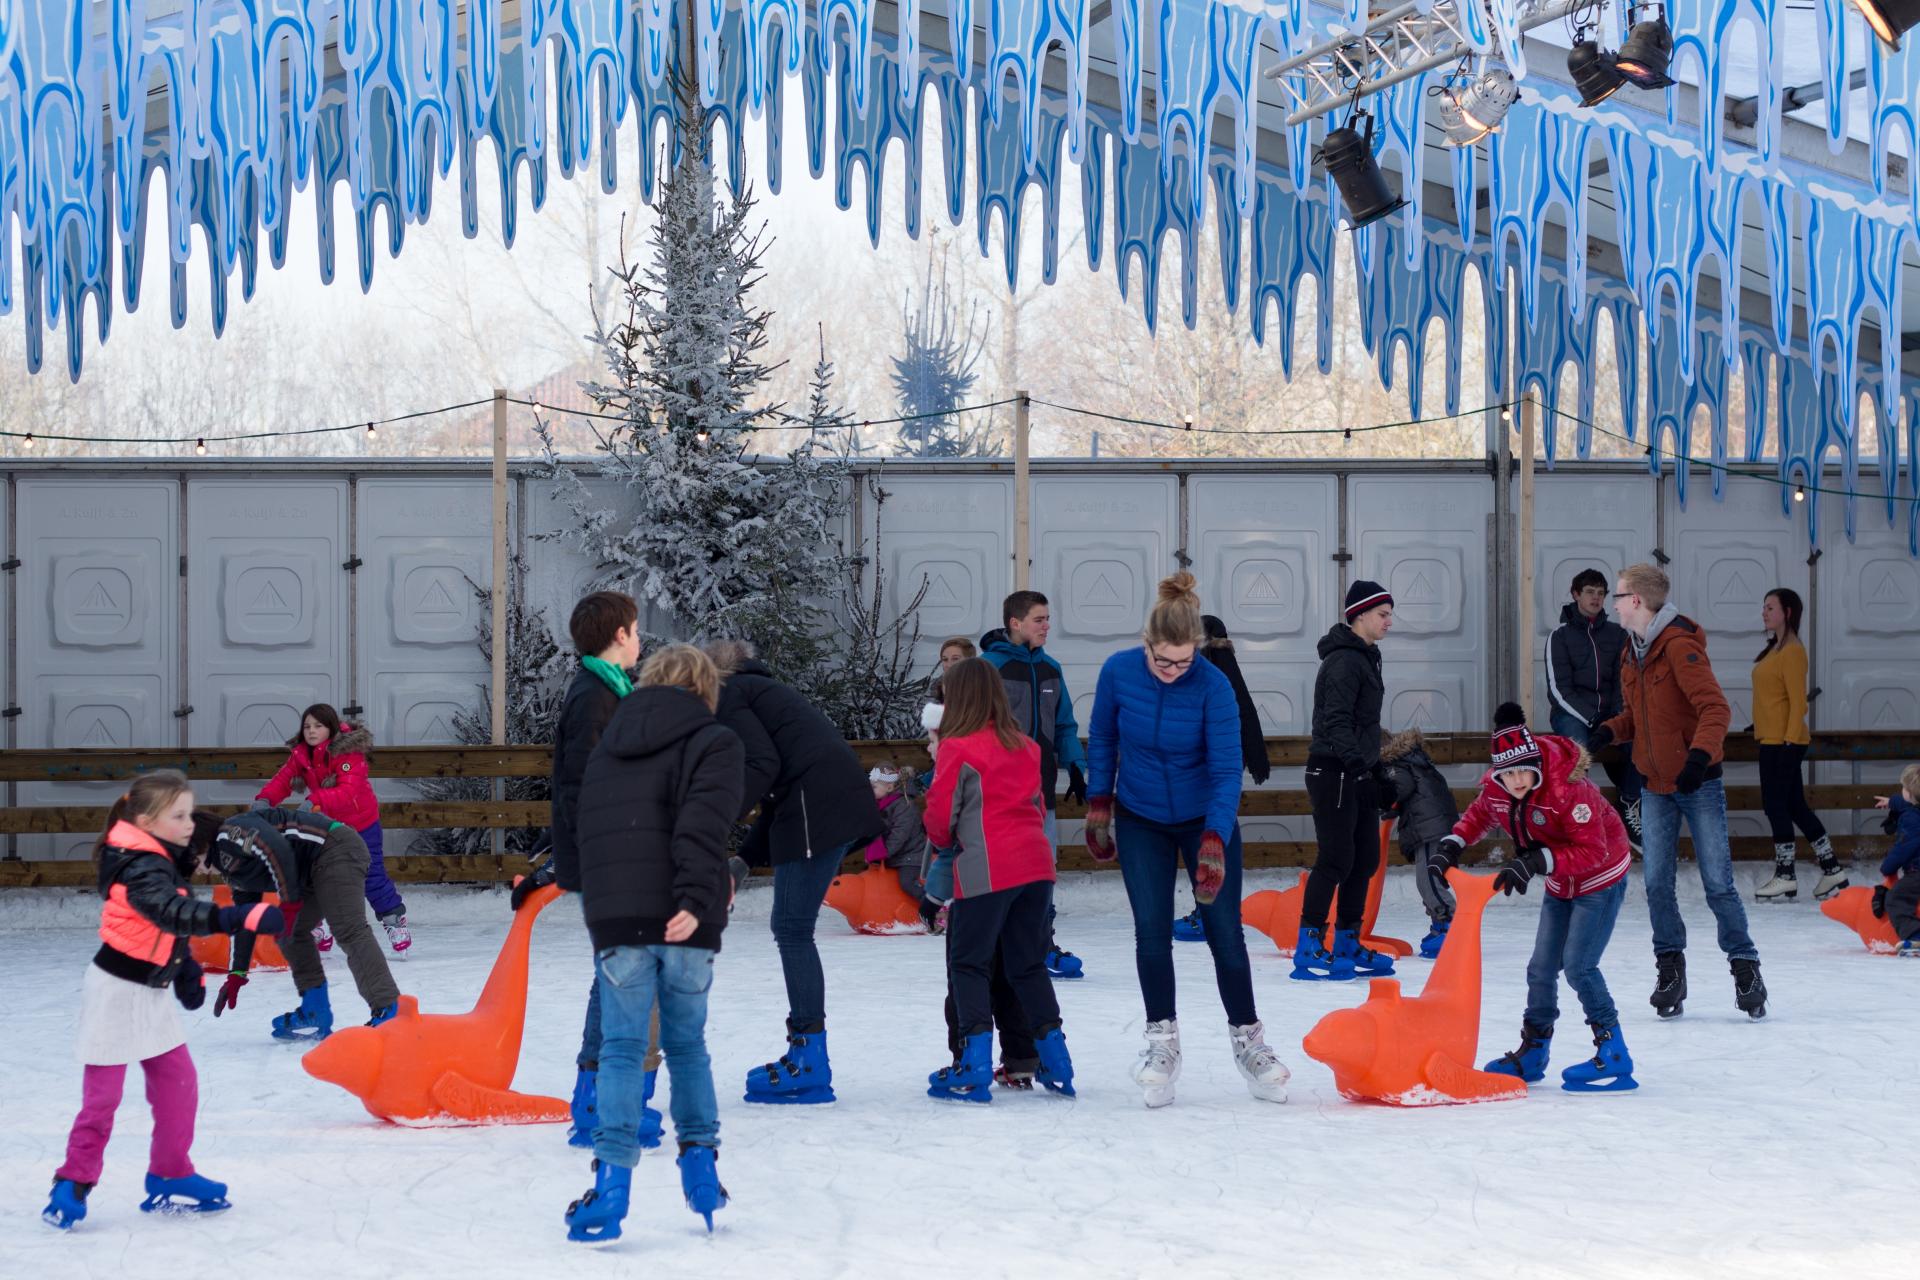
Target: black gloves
{"x":1444,"y":858}
{"x":1076,"y":784}
{"x":524,"y":887}
{"x":1879,"y":902}
{"x":1599,"y":738}
{"x":1891,"y":823}
{"x":929,"y":911}
{"x":190,"y":984}
{"x":1518,"y":874}
{"x":1693,"y":774}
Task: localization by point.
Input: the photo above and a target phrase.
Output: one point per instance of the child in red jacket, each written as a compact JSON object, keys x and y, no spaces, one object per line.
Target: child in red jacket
{"x":329,"y":763}
{"x":1538,"y":795}
{"x":985,"y":808}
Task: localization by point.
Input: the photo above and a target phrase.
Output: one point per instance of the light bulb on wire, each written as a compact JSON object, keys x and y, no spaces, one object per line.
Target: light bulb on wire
{"x":373,"y":432}
{"x":28,"y":442}
{"x":1800,"y":493}
{"x":200,"y":446}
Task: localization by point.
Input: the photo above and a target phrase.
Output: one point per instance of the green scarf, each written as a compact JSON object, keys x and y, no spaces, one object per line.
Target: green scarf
{"x":613,"y":677}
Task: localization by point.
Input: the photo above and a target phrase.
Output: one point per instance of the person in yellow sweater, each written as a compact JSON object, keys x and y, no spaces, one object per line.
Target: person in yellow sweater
{"x":1780,"y":726}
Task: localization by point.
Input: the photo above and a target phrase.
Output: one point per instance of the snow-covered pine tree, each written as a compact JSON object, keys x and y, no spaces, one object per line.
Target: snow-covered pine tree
{"x":933,"y":378}
{"x":827,"y":420}
{"x":719,"y":541}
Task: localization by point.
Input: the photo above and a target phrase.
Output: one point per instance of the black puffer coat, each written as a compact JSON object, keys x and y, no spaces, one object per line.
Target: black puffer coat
{"x":1253,"y":740}
{"x":1414,"y":791}
{"x":584,"y":714}
{"x":658,"y":802}
{"x":1346,"y":703}
{"x":155,"y":887}
{"x":1583,"y":665}
{"x":813,"y":794}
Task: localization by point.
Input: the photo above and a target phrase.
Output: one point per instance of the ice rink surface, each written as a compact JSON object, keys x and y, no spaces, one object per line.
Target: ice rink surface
{"x":1777,"y":1148}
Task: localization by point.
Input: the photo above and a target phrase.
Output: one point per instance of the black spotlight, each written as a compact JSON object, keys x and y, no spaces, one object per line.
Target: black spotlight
{"x":1890,"y":19}
{"x":1643,"y":59}
{"x":1594,"y":75}
{"x":1348,"y":155}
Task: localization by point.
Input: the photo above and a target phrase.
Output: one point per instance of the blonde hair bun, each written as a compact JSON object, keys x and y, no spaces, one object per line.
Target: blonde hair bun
{"x":1181,"y":587}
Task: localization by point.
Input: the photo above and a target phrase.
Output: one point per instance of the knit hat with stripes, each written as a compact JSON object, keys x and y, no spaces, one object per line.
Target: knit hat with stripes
{"x":1364,"y":595}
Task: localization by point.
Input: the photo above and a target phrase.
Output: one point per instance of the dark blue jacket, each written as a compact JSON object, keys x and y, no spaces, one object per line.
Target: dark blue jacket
{"x":1175,"y":747}
{"x":1905,"y":853}
{"x":1037,"y":692}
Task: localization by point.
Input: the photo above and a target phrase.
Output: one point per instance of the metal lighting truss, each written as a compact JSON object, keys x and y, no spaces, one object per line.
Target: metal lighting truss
{"x":1398,"y":45}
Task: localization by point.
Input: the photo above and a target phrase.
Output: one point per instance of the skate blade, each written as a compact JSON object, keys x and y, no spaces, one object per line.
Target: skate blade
{"x":1605,"y":1084}
{"x":594,"y":1235}
{"x":57,"y":1221}
{"x":1777,"y":897}
{"x":964,"y":1093}
{"x":1314,"y":975}
{"x":1756,"y":1014}
{"x":1063,"y":1088}
{"x":1057,"y":976}
{"x":819,"y":1095}
{"x":1834,"y":892}
{"x":1157,"y":1096}
{"x":1674,"y":1012}
{"x":167,"y":1205}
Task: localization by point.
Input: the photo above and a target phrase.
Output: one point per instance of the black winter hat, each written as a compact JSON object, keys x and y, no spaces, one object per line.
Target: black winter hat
{"x":254,"y":857}
{"x":1364,"y":595}
{"x":1508,"y":715}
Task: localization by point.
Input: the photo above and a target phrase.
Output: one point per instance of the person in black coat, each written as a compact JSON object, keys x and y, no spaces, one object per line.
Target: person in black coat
{"x":1341,"y":761}
{"x":1253,"y":739}
{"x":1413,"y":790}
{"x":657,"y":806}
{"x":815,"y":808}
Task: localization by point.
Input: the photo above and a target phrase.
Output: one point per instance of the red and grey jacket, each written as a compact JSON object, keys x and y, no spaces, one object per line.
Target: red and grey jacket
{"x":985,"y":804}
{"x":149,"y":912}
{"x":1566,"y":814}
{"x":334,"y":775}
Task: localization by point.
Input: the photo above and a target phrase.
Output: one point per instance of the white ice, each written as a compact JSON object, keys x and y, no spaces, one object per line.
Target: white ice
{"x":1784,"y":1147}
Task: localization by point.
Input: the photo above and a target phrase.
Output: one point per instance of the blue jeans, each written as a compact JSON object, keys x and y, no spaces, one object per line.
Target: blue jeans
{"x":1150,"y":855}
{"x":632,"y":979}
{"x":1706,"y":814}
{"x":1627,"y":782}
{"x":1573,"y":934}
{"x":799,"y":887}
{"x":590,"y":1029}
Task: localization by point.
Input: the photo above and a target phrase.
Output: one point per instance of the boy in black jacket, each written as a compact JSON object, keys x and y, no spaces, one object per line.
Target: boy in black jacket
{"x":1413,"y":790}
{"x":656,"y":808}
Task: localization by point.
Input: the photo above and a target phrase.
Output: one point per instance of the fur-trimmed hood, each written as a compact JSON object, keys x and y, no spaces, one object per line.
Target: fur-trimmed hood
{"x":1403,"y":744}
{"x":352,"y":738}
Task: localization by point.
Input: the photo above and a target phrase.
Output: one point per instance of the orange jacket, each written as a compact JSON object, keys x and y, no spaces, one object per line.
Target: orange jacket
{"x":1671,"y":704}
{"x":149,"y":912}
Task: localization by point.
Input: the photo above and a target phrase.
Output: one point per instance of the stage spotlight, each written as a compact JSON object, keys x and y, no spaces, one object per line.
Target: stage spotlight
{"x":1348,"y":155}
{"x":1470,"y":112}
{"x":1644,"y":58}
{"x":1890,"y":19}
{"x":1594,"y":75}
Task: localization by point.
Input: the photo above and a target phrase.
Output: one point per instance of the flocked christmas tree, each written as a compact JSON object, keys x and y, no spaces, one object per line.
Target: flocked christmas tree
{"x":720,"y":542}
{"x":933,"y":379}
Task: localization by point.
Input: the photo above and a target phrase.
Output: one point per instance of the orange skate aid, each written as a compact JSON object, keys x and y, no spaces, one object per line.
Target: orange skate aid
{"x":1417,"y":1052}
{"x":873,"y":902}
{"x":213,"y":952}
{"x":447,"y":1068}
{"x":1276,"y":912}
{"x":1854,"y":909}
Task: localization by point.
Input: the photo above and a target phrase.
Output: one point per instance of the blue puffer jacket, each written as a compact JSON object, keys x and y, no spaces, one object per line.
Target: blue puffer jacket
{"x":1175,"y":747}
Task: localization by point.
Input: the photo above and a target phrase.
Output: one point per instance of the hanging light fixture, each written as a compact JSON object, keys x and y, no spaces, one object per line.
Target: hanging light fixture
{"x":200,"y":447}
{"x":1348,"y":156}
{"x":1890,"y":19}
{"x":1648,"y":50}
{"x":1471,"y":111}
{"x":1800,"y":493}
{"x":1595,"y":77}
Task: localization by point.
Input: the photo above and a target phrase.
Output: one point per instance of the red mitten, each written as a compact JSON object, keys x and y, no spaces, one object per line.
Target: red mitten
{"x":229,"y":993}
{"x":1100,"y":829}
{"x":1211,"y":875}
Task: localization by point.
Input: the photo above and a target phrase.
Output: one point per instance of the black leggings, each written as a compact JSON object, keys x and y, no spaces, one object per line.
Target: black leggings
{"x":1346,"y":824}
{"x":1784,"y":795}
{"x":1007,"y":927}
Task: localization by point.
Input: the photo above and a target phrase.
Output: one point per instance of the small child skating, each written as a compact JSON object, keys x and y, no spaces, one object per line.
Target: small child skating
{"x":328,"y":762}
{"x":1538,"y":795}
{"x":1897,"y":897}
{"x":1418,"y":795}
{"x":317,"y":866}
{"x":902,"y":844}
{"x":144,"y":965}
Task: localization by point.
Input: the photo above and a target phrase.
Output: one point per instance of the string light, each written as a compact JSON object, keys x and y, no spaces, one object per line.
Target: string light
{"x":373,"y":432}
{"x":200,"y":447}
{"x":1800,"y":493}
{"x":1189,"y":422}
{"x":28,"y":442}
{"x":1347,"y":434}
{"x":700,"y":436}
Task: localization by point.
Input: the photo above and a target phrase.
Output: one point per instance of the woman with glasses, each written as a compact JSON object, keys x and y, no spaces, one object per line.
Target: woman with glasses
{"x":1163,"y":785}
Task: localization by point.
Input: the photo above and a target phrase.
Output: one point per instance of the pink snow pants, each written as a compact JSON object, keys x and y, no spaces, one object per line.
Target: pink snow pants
{"x":173,"y":1091}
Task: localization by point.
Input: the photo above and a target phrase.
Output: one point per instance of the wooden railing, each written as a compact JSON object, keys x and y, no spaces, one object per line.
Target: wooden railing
{"x":409,"y":763}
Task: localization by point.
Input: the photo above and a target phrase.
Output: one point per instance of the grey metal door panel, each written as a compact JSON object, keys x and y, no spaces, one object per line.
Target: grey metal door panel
{"x":955,"y":534}
{"x":98,"y":636}
{"x":1100,"y":548}
{"x":1582,"y":522}
{"x":559,"y":573}
{"x":266,"y":611}
{"x":1424,"y":539}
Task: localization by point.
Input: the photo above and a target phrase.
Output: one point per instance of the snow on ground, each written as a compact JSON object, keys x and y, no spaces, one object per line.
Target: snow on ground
{"x":1782,"y":1147}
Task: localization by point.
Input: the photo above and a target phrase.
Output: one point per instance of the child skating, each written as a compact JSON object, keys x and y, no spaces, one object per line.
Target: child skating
{"x":127,"y":998}
{"x":1897,"y":897}
{"x":1414,"y":791}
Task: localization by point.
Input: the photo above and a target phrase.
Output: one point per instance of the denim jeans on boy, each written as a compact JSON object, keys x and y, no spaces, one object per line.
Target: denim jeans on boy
{"x":632,"y":979}
{"x":1626,"y":779}
{"x":1706,"y":814}
{"x":590,"y":1026}
{"x":1150,"y":855}
{"x":799,"y":887}
{"x":1572,"y":936}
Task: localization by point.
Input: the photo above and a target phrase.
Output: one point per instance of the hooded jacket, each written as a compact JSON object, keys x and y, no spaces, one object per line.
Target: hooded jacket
{"x":1583,"y":665}
{"x":1670,"y":702}
{"x":1170,"y":752}
{"x":985,"y":806}
{"x":657,"y":805}
{"x":271,"y":851}
{"x":1253,"y":741}
{"x":1565,"y":814}
{"x":812,"y":790}
{"x":584,"y":712}
{"x":1042,"y":707}
{"x":333,"y":775}
{"x":1416,"y":792}
{"x":1904,"y":856}
{"x":1347,"y":694}
{"x":149,"y":912}
{"x":904,"y":840}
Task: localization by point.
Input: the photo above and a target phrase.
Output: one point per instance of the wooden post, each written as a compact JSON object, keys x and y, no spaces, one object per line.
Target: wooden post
{"x":498,"y":681}
{"x":1022,"y":494}
{"x":1524,"y":554}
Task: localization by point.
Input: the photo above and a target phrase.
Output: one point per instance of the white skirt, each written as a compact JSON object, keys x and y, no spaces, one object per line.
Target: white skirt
{"x":123,"y":1022}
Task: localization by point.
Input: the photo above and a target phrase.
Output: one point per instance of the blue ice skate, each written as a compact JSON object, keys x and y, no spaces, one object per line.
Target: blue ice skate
{"x":1064,"y":964}
{"x":1529,"y":1061}
{"x":1610,"y":1070}
{"x":1312,"y":962}
{"x":1359,"y":961}
{"x":596,"y":1216}
{"x":67,"y":1205}
{"x":313,"y":1020}
{"x":197,"y":1195}
{"x":385,"y":1013}
{"x":1435,"y":939}
{"x":970,"y":1078}
{"x":700,"y":1181}
{"x":1056,"y":1067}
{"x":802,"y":1075}
{"x":584,"y":1109}
{"x":1188,"y":928}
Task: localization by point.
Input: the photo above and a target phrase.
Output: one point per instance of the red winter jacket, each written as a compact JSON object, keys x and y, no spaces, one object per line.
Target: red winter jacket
{"x":334,"y":775}
{"x":1566,"y":813}
{"x":985,"y":804}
